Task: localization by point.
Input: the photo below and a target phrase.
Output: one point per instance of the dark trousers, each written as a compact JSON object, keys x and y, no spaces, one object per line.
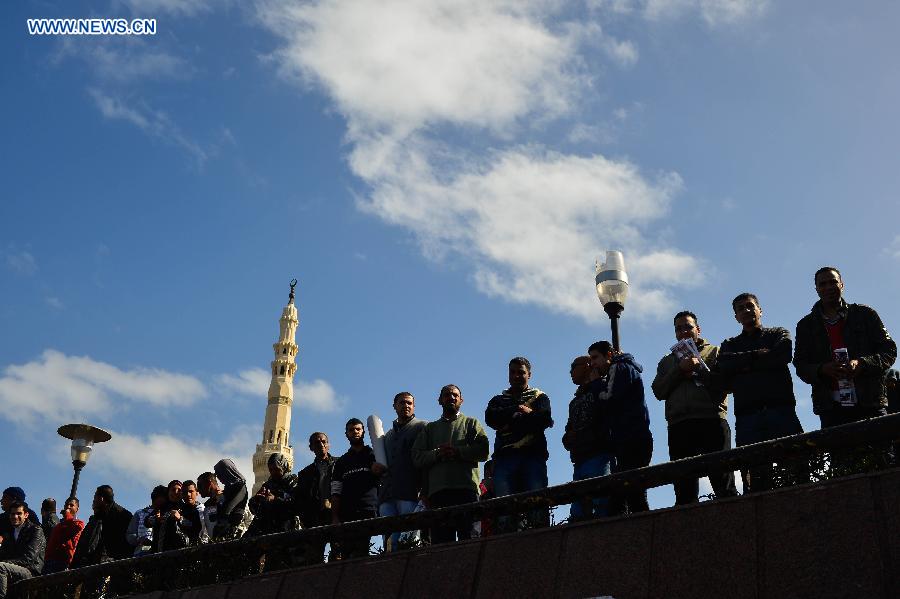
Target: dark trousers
{"x":314,"y":551}
{"x":631,"y":454}
{"x":846,"y":415}
{"x":842,"y":460}
{"x":461,"y":528}
{"x":699,"y":436}
{"x":356,"y":546}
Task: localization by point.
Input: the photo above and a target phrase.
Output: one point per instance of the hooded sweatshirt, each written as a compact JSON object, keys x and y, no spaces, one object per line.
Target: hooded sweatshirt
{"x":629,"y":418}
{"x":234,"y":496}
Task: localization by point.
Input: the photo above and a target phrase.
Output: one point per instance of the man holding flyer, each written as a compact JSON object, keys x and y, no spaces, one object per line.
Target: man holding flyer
{"x":695,"y":406}
{"x":843,"y":351}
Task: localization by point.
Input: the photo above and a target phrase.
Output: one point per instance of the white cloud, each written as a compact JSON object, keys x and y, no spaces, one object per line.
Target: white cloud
{"x":55,"y":303}
{"x":725,"y":12}
{"x":317,"y":395}
{"x":118,"y":60}
{"x":253,"y":381}
{"x":527,"y":221}
{"x":618,"y":7}
{"x":714,"y":12}
{"x":893,"y":250}
{"x":596,"y":134}
{"x":623,"y":52}
{"x":532,"y":222}
{"x":397,"y":66}
{"x":152,"y":122}
{"x":159,"y":458}
{"x":22,"y":262}
{"x":71,"y":388}
{"x":607,"y":132}
{"x":148,"y":9}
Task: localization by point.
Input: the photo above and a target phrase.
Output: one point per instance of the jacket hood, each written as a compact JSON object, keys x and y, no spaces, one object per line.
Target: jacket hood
{"x":628,"y":359}
{"x":228,"y":473}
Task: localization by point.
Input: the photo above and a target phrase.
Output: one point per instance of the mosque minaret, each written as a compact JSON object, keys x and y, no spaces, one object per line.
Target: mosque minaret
{"x":277,"y":427}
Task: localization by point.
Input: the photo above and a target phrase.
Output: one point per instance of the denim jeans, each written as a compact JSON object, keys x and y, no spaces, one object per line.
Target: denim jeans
{"x":397,"y":507}
{"x":11,"y":574}
{"x":765,"y":425}
{"x":599,"y":465}
{"x":518,"y":473}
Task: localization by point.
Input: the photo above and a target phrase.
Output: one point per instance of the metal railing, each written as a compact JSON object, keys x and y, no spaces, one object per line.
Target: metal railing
{"x":821,"y":455}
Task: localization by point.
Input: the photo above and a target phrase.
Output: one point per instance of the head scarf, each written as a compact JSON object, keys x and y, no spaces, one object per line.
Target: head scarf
{"x":228,"y":473}
{"x":892,"y":375}
{"x":280,"y":461}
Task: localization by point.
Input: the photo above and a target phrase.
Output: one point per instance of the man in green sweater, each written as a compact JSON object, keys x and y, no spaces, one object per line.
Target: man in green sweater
{"x":448,"y":452}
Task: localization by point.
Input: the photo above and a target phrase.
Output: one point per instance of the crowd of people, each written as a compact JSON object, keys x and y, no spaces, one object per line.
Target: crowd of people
{"x":842,"y":350}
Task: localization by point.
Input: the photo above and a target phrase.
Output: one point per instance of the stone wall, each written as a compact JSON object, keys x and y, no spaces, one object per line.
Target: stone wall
{"x":839,"y":539}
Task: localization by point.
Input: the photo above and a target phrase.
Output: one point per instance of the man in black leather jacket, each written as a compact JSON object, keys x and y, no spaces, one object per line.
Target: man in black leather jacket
{"x":21,"y":549}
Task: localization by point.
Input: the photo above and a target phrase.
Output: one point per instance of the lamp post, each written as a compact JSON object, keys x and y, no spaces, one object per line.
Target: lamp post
{"x":83,"y":437}
{"x":612,"y":289}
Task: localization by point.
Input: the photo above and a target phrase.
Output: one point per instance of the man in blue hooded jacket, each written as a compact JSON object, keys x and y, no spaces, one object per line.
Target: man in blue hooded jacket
{"x":629,"y":420}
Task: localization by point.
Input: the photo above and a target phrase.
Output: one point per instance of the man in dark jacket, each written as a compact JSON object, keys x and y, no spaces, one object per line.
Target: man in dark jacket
{"x":273,"y":508}
{"x":629,"y":419}
{"x":313,"y":496}
{"x":587,"y":436}
{"x":170,"y":529}
{"x":10,"y":495}
{"x":48,"y":516}
{"x":402,"y":483}
{"x":843,"y":350}
{"x":520,"y":415}
{"x":755,"y":367}
{"x":104,"y":537}
{"x":273,"y":505}
{"x":21,"y":549}
{"x":354,"y":487}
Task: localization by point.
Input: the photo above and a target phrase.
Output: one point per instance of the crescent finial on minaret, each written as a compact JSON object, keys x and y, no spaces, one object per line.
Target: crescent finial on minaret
{"x":291,"y":296}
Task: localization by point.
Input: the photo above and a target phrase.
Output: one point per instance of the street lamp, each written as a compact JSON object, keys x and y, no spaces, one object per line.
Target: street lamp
{"x":83,"y":437}
{"x":612,"y":289}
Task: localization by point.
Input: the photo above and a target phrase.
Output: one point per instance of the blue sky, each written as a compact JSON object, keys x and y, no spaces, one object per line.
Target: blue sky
{"x":440,"y":178}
